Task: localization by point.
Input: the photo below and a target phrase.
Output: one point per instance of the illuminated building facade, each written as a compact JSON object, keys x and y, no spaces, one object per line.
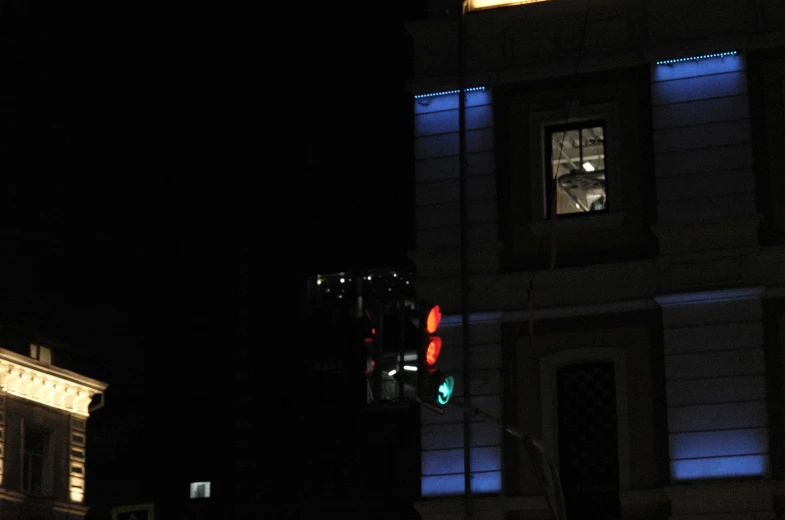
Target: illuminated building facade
{"x":602,"y":222}
{"x":43,"y":433}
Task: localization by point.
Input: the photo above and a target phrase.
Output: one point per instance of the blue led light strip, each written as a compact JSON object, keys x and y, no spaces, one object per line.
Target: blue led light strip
{"x":695,"y":58}
{"x":445,"y":92}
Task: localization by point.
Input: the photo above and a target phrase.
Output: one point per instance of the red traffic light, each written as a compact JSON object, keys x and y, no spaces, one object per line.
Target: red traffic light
{"x":433,"y":320}
{"x":434,"y":343}
{"x":433,"y":350}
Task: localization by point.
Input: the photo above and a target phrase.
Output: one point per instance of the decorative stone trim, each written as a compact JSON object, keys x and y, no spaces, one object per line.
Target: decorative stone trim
{"x":44,"y":384}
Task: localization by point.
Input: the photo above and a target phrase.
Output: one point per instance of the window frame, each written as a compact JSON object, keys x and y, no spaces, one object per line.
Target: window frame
{"x":41,"y":353}
{"x":549,"y":366}
{"x":45,"y":462}
{"x":540,"y":124}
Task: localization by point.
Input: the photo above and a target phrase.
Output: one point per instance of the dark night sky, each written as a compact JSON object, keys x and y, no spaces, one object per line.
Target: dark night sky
{"x":140,"y":158}
{"x":137,"y":145}
{"x":360,"y":199}
{"x":119,"y":155}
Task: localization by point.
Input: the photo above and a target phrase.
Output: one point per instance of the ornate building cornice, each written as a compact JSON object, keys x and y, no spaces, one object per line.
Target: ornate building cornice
{"x":48,"y":385}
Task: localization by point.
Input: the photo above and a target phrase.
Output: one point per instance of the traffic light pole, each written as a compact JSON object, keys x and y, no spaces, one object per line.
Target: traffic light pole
{"x":376,"y":357}
{"x":402,"y":344}
{"x":464,"y":225}
{"x":552,"y":490}
{"x":422,"y":316}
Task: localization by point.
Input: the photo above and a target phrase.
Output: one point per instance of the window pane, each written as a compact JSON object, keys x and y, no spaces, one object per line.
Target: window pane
{"x":33,"y":461}
{"x":36,"y":473}
{"x":34,"y":443}
{"x":578,"y":169}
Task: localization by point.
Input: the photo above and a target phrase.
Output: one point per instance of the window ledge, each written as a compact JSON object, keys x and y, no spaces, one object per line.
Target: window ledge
{"x":579,"y":223}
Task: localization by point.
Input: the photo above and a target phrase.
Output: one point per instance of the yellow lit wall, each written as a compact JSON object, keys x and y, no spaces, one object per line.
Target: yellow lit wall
{"x":2,"y":437}
{"x":76,"y":472}
{"x":488,"y":4}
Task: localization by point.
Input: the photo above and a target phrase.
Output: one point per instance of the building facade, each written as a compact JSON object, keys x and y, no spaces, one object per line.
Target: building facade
{"x":602,"y":220}
{"x":43,"y":431}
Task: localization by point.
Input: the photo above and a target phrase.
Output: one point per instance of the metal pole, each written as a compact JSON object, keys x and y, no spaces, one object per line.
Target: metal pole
{"x":401,"y":343}
{"x":554,"y":496}
{"x":359,"y":289}
{"x":422,"y":316}
{"x":376,"y":357}
{"x":467,"y":477}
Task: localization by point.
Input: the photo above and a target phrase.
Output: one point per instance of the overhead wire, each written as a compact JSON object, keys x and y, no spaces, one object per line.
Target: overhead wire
{"x":547,"y":489}
{"x":552,"y":192}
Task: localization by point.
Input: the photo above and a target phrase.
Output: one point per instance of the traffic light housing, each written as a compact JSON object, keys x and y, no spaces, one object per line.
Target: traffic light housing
{"x":435,"y":385}
{"x":368,"y":330}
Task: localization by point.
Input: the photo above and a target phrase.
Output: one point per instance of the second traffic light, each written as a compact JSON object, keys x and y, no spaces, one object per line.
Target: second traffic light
{"x":435,"y":385}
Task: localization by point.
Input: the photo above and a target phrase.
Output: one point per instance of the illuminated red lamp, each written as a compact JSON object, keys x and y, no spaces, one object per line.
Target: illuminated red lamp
{"x":434,"y":347}
{"x":433,"y":350}
{"x":433,"y":320}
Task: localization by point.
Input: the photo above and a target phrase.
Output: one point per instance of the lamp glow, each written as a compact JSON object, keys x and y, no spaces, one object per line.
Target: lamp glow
{"x":490,"y":4}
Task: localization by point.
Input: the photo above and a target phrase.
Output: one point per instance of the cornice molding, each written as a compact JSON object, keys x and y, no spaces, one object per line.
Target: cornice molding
{"x":48,"y":385}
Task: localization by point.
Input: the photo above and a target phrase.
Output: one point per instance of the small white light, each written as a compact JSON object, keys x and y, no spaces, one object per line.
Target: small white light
{"x":343,"y":280}
{"x":392,"y":372}
{"x":395,"y":275}
{"x":369,"y":277}
{"x":588,"y":166}
{"x":319,"y":281}
{"x":410,"y":368}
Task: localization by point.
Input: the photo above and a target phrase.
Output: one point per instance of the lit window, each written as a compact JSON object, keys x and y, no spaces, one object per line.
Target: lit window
{"x":575,"y":159}
{"x":200,"y":490}
{"x":42,"y":354}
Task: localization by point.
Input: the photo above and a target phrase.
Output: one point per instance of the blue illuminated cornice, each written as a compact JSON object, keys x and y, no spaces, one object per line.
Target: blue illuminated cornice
{"x":446,"y":92}
{"x":696,"y":58}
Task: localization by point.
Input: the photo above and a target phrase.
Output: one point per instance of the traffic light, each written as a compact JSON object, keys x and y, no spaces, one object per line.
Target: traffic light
{"x":435,"y":385}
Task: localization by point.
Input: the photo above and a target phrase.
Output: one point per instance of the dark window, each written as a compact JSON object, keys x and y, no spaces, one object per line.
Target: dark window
{"x":35,"y":444}
{"x":575,"y":160}
{"x":588,"y":448}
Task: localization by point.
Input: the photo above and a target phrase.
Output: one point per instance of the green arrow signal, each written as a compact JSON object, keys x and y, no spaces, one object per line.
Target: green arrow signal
{"x":445,"y":390}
